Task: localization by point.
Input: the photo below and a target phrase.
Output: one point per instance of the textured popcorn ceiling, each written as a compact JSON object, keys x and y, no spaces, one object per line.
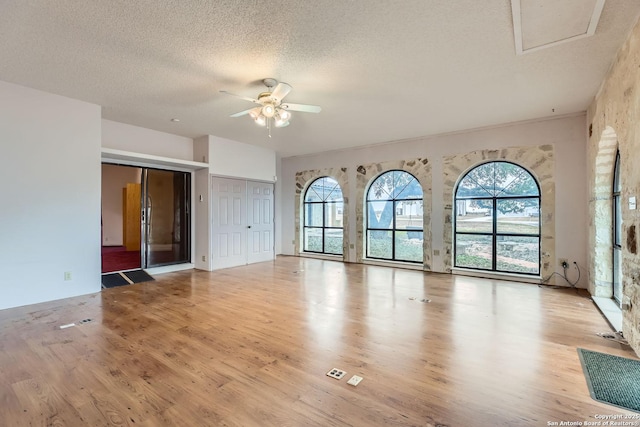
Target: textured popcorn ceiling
{"x":382,"y":70}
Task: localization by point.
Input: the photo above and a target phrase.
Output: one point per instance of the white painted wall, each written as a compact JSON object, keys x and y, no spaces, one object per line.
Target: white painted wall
{"x":238,"y":160}
{"x":567,"y":134}
{"x":201,"y":197}
{"x":50,"y":192}
{"x":121,"y":136}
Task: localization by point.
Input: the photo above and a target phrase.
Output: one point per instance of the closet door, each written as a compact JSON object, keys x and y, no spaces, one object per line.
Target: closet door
{"x":229,"y":224}
{"x":260,"y":222}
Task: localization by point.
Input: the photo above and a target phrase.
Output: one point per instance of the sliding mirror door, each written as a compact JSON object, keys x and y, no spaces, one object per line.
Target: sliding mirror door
{"x":165,"y":217}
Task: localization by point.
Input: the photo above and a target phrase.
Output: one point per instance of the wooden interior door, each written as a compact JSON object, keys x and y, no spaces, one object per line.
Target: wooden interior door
{"x":131,"y":223}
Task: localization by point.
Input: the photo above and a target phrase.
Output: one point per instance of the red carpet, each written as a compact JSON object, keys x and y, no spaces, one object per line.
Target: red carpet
{"x":117,"y":258}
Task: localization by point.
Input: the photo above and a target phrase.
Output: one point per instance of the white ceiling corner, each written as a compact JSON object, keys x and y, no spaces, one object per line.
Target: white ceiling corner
{"x":541,"y":24}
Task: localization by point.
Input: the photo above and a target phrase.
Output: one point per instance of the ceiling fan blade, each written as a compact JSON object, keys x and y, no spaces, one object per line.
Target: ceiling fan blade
{"x":302,"y":107}
{"x":280,"y":91}
{"x":241,"y":113}
{"x":240,"y":96}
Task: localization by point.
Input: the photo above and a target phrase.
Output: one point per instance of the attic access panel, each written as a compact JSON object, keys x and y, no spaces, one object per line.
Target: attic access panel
{"x":539,"y":24}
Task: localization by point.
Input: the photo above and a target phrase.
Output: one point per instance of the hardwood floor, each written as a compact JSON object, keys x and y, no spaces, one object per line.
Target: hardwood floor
{"x":250,"y":346}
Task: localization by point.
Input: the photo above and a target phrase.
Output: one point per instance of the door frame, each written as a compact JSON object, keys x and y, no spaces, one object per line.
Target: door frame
{"x":145,"y":213}
{"x":125,"y":158}
{"x":211,"y":179}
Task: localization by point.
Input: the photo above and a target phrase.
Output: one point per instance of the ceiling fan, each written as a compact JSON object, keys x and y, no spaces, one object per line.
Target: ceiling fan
{"x":272,"y":109}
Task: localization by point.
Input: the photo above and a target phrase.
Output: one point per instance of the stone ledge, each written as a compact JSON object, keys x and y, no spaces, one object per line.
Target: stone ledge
{"x":610,"y":311}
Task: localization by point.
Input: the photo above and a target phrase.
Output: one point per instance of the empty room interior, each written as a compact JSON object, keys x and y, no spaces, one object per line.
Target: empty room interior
{"x":327,"y":213}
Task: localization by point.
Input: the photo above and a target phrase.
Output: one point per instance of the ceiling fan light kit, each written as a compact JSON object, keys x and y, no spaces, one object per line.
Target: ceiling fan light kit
{"x":272,"y":111}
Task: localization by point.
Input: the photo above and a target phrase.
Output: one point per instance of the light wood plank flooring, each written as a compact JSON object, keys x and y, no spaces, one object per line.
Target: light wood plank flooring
{"x":250,"y":346}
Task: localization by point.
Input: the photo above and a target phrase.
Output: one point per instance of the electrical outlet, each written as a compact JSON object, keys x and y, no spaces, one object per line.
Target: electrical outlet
{"x":352,"y":246}
{"x":354,"y":380}
{"x":436,"y":252}
{"x":336,"y":373}
{"x":563,"y":262}
{"x":67,"y":275}
{"x":204,"y":258}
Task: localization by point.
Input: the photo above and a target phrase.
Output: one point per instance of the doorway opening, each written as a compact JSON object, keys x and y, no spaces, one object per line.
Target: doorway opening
{"x":145,"y":217}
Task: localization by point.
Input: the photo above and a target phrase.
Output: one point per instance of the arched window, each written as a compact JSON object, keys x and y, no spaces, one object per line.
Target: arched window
{"x":497,"y":219}
{"x":323,"y":210}
{"x":617,"y":232}
{"x":394,"y":217}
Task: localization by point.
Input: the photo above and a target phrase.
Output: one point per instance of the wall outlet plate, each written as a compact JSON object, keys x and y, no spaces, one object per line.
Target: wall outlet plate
{"x":354,"y":380}
{"x":336,"y":373}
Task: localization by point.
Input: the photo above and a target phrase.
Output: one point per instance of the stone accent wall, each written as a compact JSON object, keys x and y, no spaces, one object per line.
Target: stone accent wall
{"x":303,"y":180}
{"x":421,"y":169}
{"x":616,"y":110}
{"x":537,"y":160}
{"x":600,"y":186}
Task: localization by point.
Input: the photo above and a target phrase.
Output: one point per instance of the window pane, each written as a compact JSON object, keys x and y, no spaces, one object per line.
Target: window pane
{"x":504,"y":175}
{"x":333,"y":241}
{"x":313,"y":214}
{"x":409,"y":246}
{"x":394,"y":185}
{"x":381,"y":188}
{"x":328,"y":186}
{"x":325,"y":188}
{"x":333,"y":214}
{"x":474,"y":216}
{"x":379,"y":244}
{"x":478,"y":182}
{"x":409,"y":214}
{"x":521,"y":185}
{"x":380,"y":214}
{"x":473,"y":251}
{"x":617,"y":221}
{"x":616,"y":174}
{"x":518,"y":254}
{"x":333,"y":191}
{"x":313,"y":239}
{"x":408,"y":187}
{"x":312,"y":194}
{"x":617,"y":274}
{"x":399,"y":181}
{"x":469,"y":187}
{"x":518,"y":216}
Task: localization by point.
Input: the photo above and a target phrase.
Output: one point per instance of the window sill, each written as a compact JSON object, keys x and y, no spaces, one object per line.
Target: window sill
{"x":329,"y":257}
{"x":398,"y":264}
{"x":611,"y":311}
{"x":496,"y":275}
